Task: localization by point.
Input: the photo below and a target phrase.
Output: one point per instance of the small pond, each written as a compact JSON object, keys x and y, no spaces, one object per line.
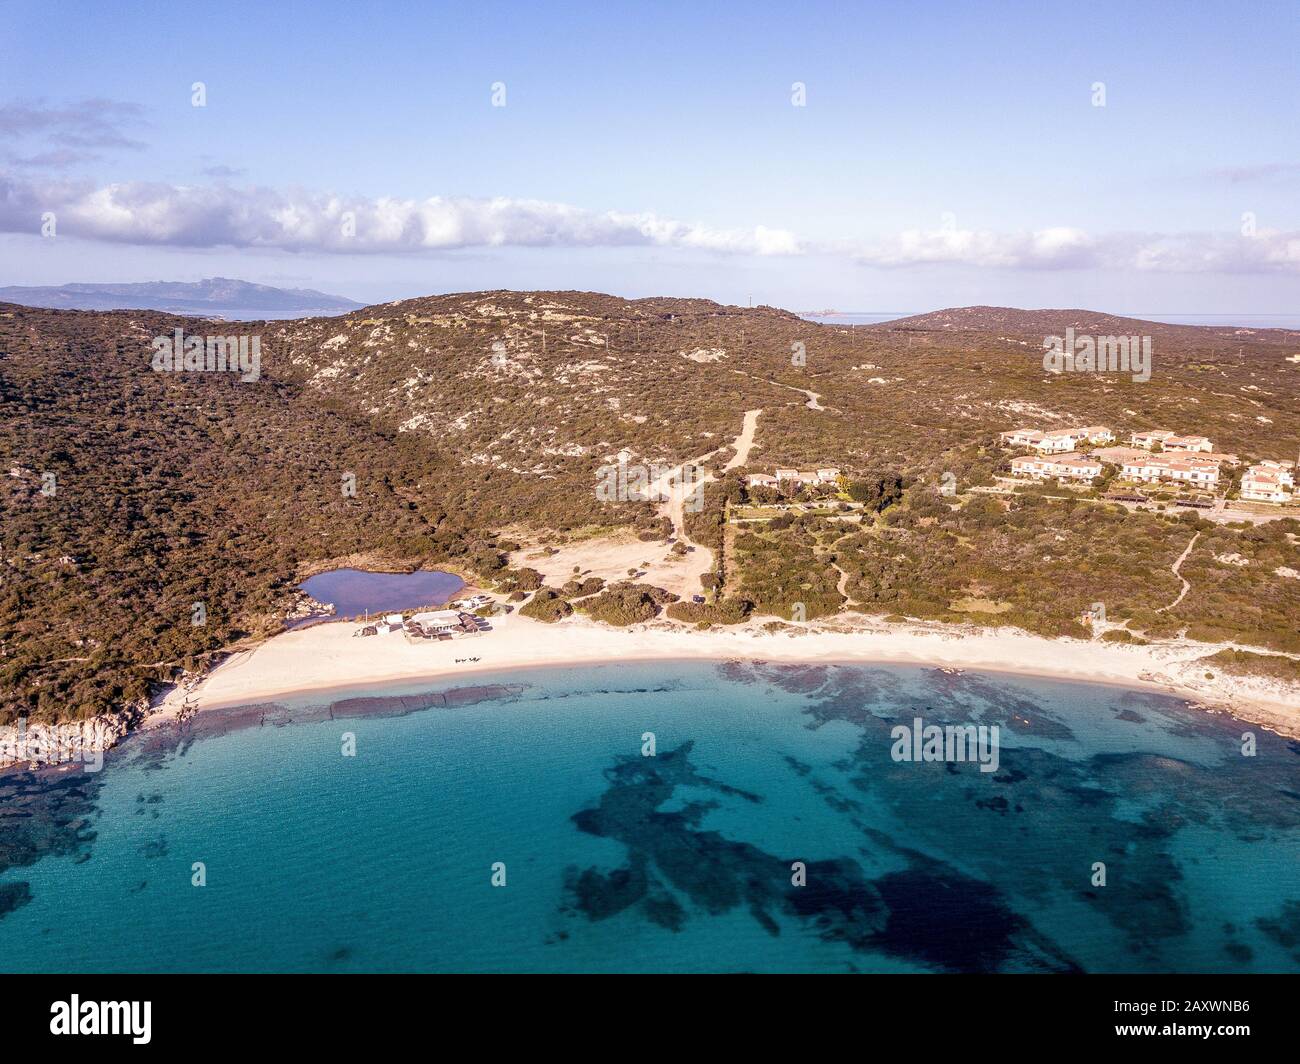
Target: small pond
{"x":353,"y":592}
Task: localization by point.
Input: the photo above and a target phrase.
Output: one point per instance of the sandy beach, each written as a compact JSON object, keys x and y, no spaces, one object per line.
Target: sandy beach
{"x":329,"y":657}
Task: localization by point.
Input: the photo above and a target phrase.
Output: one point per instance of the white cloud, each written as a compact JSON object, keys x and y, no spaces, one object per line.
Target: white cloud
{"x":1047,"y":248}
{"x":297,"y":220}
{"x":1062,"y":248}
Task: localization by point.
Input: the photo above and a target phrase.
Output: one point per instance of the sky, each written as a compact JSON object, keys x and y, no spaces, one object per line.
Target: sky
{"x":1133,"y":158}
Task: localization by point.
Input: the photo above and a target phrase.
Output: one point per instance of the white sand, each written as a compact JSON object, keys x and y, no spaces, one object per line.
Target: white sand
{"x":329,"y":656}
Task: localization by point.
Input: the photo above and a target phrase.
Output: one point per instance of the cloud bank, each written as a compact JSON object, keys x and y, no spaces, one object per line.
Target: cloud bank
{"x":298,"y":220}
{"x":221,"y":215}
{"x":1062,"y":248}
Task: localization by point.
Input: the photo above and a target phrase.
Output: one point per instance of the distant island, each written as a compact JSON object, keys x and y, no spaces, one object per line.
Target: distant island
{"x":214,"y":297}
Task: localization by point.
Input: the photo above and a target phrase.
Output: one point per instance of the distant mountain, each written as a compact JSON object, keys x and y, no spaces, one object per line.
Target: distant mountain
{"x":1010,"y":320}
{"x":218,"y":297}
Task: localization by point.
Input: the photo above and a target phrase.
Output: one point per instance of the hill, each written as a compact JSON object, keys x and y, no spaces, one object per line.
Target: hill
{"x":1054,"y":322}
{"x":475,"y":422}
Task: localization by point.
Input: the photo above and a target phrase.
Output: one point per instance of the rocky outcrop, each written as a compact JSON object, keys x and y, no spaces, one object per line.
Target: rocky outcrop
{"x":304,"y":606}
{"x":35,"y":743}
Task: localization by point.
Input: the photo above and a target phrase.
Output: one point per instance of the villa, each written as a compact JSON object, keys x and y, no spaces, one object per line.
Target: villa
{"x":1057,"y":441}
{"x":1096,"y":434}
{"x":1147,"y":440}
{"x":1063,"y":467}
{"x":798,"y":477}
{"x":761,"y":480}
{"x":1021,"y":437}
{"x":1268,"y":481}
{"x":1285,"y":471}
{"x":1187,"y":443}
{"x":1156,"y":468}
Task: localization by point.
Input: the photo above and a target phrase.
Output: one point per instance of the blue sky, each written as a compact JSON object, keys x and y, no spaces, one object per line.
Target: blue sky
{"x":947,"y":154}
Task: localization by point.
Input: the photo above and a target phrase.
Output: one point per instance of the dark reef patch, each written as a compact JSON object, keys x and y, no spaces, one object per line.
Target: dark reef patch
{"x":14,"y":895}
{"x":671,"y":859}
{"x":44,"y":813}
{"x":1284,"y":929}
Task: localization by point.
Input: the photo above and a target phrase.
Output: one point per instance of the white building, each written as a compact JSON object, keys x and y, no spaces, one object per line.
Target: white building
{"x":1187,"y":443}
{"x":761,"y":480}
{"x":1268,"y":482}
{"x":1063,"y":467}
{"x":828,"y":476}
{"x":1059,"y":442}
{"x":438,"y":620}
{"x":1158,"y":468}
{"x":1095,"y":434}
{"x":1150,"y":438}
{"x":1021,"y":437}
{"x":1284,"y":471}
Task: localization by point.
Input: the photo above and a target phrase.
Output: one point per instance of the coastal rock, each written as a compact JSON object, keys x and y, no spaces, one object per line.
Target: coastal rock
{"x":35,"y":743}
{"x":304,"y":606}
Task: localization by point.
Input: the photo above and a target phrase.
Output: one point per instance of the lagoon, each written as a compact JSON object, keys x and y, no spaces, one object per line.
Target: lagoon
{"x":353,"y":592}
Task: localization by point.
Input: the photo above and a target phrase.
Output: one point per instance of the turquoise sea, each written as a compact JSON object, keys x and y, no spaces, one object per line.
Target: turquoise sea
{"x":678,"y":862}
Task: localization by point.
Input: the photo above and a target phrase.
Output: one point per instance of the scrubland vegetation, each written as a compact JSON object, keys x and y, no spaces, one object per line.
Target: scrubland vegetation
{"x":171,"y":490}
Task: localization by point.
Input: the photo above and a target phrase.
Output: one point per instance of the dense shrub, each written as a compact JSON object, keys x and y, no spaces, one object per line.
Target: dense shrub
{"x":627,"y":603}
{"x":546,"y":605}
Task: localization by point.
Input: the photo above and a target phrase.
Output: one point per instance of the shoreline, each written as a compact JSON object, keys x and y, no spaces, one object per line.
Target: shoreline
{"x":327,"y":657}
